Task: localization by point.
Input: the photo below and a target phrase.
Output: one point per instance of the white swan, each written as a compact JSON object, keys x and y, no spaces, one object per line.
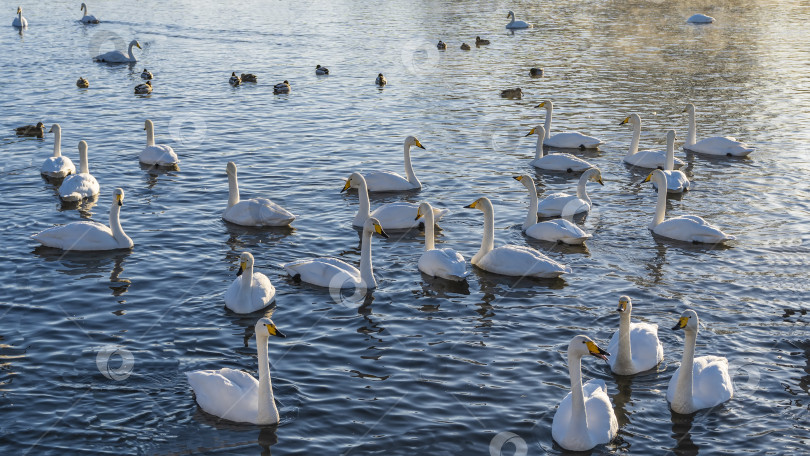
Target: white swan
{"x":336,"y":274}
{"x":716,"y":145}
{"x":117,"y":56}
{"x":392,"y":216}
{"x":235,"y":395}
{"x":510,"y":260}
{"x":445,"y":263}
{"x":677,"y":182}
{"x":701,"y":382}
{"x":254,"y":211}
{"x":513,"y":24}
{"x":645,"y":158}
{"x":250,"y":291}
{"x":88,"y":235}
{"x":566,"y":140}
{"x":86,"y":18}
{"x":156,"y":154}
{"x":57,"y":166}
{"x":19,"y":21}
{"x":687,"y":228}
{"x":76,"y":187}
{"x":700,"y":18}
{"x":557,"y":161}
{"x":585,"y":417}
{"x":559,"y":230}
{"x":388,"y":181}
{"x":563,"y":204}
{"x":634,"y":347}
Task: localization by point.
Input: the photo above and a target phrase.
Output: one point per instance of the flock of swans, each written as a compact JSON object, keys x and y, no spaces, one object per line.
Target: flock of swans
{"x":585,"y":417}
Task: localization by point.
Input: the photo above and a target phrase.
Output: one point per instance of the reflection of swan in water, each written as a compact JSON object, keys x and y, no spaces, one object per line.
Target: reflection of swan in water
{"x":81,"y":265}
{"x":242,"y":238}
{"x":681,"y":433}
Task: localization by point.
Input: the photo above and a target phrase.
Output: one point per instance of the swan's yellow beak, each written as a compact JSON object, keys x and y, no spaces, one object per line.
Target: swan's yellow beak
{"x":139,"y":45}
{"x":649,"y":177}
{"x":51,"y":130}
{"x":242,"y":267}
{"x":273,"y":331}
{"x":348,"y":184}
{"x":681,"y":323}
{"x":541,"y":105}
{"x":378,"y":229}
{"x":622,"y":305}
{"x":626,"y":119}
{"x":594,"y":350}
{"x":119,"y":199}
{"x":473,"y":205}
{"x":518,"y":178}
{"x":531,"y":132}
{"x":418,"y":144}
{"x":19,"y":10}
{"x":419,"y":213}
{"x":600,"y":181}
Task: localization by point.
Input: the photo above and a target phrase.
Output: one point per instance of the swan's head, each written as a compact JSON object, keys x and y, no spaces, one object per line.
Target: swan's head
{"x":656,"y":175}
{"x":690,"y":108}
{"x":423,"y":209}
{"x":19,"y":10}
{"x":148,"y":125}
{"x":482,"y":204}
{"x":266,"y":328}
{"x":510,"y":14}
{"x":231,"y":168}
{"x":55,"y":128}
{"x":584,"y":346}
{"x":625,"y":305}
{"x":594,"y":175}
{"x":412,"y":141}
{"x":83,"y":6}
{"x":82,"y":147}
{"x":670,"y":136}
{"x":526,"y":180}
{"x":135,"y":43}
{"x":245,"y":263}
{"x":688,"y":321}
{"x":546,"y":104}
{"x":354,"y":181}
{"x":538,"y":130}
{"x":118,"y":196}
{"x":372,"y":225}
{"x":633,"y":119}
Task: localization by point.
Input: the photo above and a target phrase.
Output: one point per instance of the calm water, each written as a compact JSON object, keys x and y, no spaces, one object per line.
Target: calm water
{"x":418,"y":364}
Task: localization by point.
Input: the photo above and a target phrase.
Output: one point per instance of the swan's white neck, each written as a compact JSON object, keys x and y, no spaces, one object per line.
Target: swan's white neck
{"x":579,"y":418}
{"x":488,"y":240}
{"x":682,"y":399}
{"x":670,"y":162}
{"x":115,"y":226}
{"x":691,"y":133}
{"x":268,"y":413}
{"x":233,"y":189}
{"x":429,"y":233}
{"x":150,"y":129}
{"x":547,"y":123}
{"x":364,"y":210}
{"x":246,"y":285}
{"x":531,"y":216}
{"x":409,"y":168}
{"x":636,"y":138}
{"x":624,"y":359}
{"x":538,"y":151}
{"x":661,"y":204}
{"x":84,"y":166}
{"x":57,"y":142}
{"x":582,"y":191}
{"x":19,"y":17}
{"x":366,"y":268}
{"x":132,"y":57}
{"x":84,"y":8}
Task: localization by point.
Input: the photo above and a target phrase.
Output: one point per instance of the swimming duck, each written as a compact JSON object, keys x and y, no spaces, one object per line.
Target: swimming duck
{"x":19,"y":21}
{"x":536,"y":72}
{"x":87,"y":18}
{"x":513,"y":94}
{"x":235,"y":80}
{"x":381,"y":81}
{"x":146,"y":74}
{"x":442,"y":45}
{"x":82,"y":83}
{"x":320,"y":71}
{"x":37,"y":130}
{"x":144,"y":88}
{"x":249,"y":77}
{"x":480,"y":42}
{"x":465,"y":47}
{"x":283,"y":87}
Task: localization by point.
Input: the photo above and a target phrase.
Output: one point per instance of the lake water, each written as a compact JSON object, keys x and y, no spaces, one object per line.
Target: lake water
{"x":418,"y":366}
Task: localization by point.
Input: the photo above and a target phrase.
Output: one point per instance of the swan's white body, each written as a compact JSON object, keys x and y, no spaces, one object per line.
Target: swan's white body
{"x":555,"y":162}
{"x":19,"y":21}
{"x":514,"y":24}
{"x":57,"y":166}
{"x":700,"y":18}
{"x":117,"y":56}
{"x":77,"y":187}
{"x":677,"y":182}
{"x":392,"y":216}
{"x":563,"y":204}
{"x":86,"y":18}
{"x":254,"y":211}
{"x":634,"y":347}
{"x":559,"y":230}
{"x":250,"y":291}
{"x":701,"y":382}
{"x":235,"y":395}
{"x":87,"y":235}
{"x":334,"y":273}
{"x":566,"y":140}
{"x":444,"y":263}
{"x":510,"y":260}
{"x":687,"y":228}
{"x":716,"y":145}
{"x":651,"y":159}
{"x":156,"y":154}
{"x":585,"y":417}
{"x":388,"y":181}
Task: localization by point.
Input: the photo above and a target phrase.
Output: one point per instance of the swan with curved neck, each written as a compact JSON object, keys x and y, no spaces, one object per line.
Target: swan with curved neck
{"x":510,"y":260}
{"x":687,"y":228}
{"x":117,"y":56}
{"x":645,"y":158}
{"x":388,"y":181}
{"x":86,"y":18}
{"x":57,"y":166}
{"x":157,"y":154}
{"x":635,"y":346}
{"x":677,"y":182}
{"x":235,"y":395}
{"x":336,"y":274}
{"x":585,"y":417}
{"x":19,"y":21}
{"x":701,"y":382}
{"x":715,"y":145}
{"x":445,"y":263}
{"x":559,"y":230}
{"x":392,"y":216}
{"x":562,"y":162}
{"x":514,"y":24}
{"x":76,"y":187}
{"x":565,"y":140}
{"x":250,"y":291}
{"x":565,"y":205}
{"x":88,"y":235}
{"x":254,"y":211}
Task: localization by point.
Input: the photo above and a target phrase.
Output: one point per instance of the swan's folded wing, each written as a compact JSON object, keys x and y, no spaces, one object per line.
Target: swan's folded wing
{"x":78,"y":186}
{"x":446,"y":263}
{"x":712,"y":384}
{"x":82,"y":235}
{"x":386,"y":181}
{"x":226,"y":393}
{"x":561,"y":162}
{"x":514,"y":260}
{"x":573,"y":140}
{"x":263,"y":291}
{"x":324,"y":272}
{"x":553,"y":204}
{"x":721,"y":145}
{"x":397,"y":216}
{"x":646,"y":348}
{"x":602,"y":423}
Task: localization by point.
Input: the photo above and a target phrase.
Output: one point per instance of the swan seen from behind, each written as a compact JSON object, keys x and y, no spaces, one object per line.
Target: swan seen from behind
{"x":445,"y":263}
{"x":716,"y":145}
{"x":677,"y":182}
{"x":156,"y":154}
{"x":57,"y":166}
{"x":254,"y":211}
{"x":565,"y":205}
{"x":77,"y":187}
